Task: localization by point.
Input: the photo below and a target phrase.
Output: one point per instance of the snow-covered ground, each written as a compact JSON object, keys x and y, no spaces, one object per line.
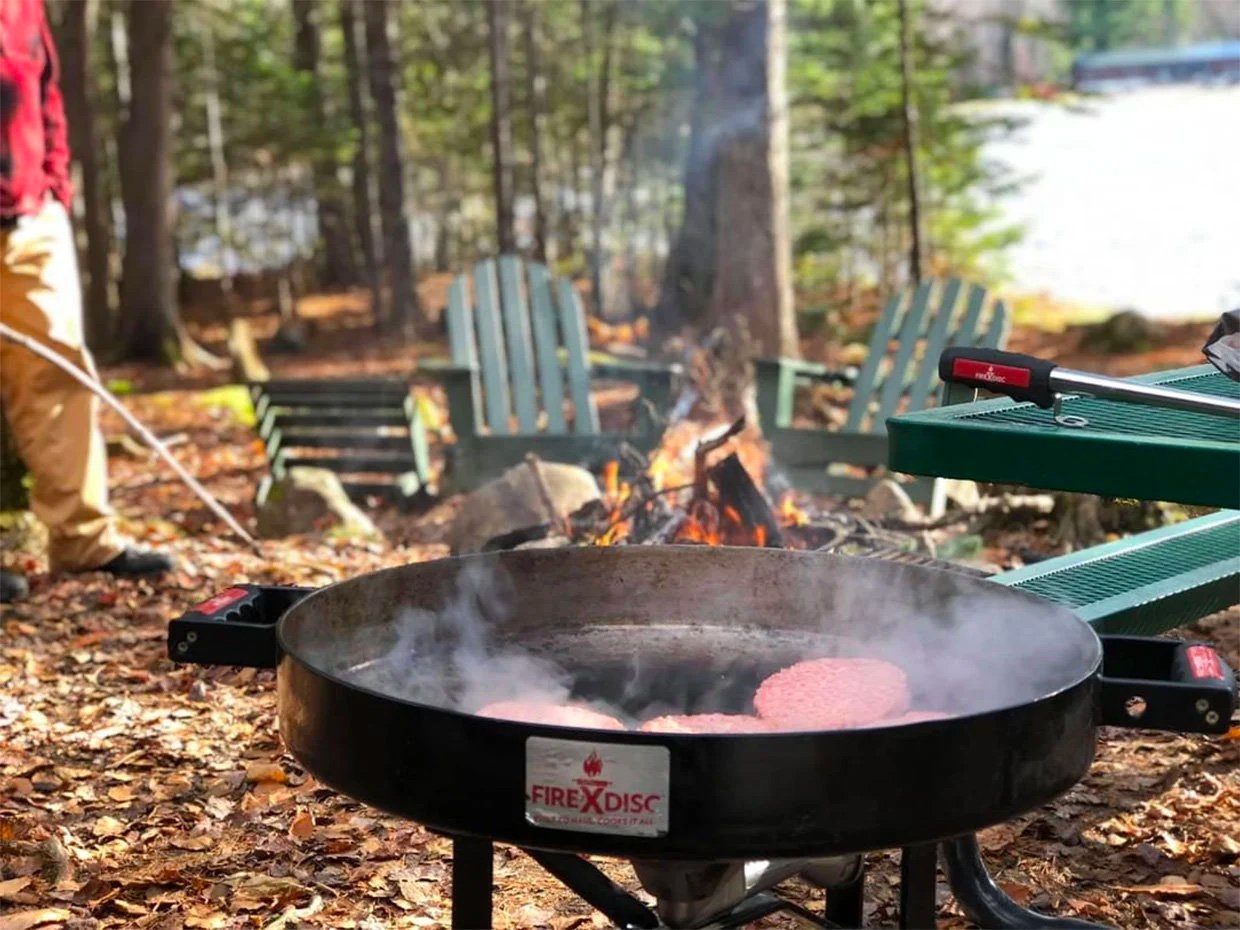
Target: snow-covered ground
{"x":1134,"y":201}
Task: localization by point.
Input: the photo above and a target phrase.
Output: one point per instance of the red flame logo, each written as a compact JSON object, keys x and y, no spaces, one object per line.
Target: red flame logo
{"x":593,"y":765}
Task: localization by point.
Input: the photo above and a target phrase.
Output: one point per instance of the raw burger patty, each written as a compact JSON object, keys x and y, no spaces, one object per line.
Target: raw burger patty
{"x":706,"y":723}
{"x":832,"y":694}
{"x":912,"y":716}
{"x":559,"y":715}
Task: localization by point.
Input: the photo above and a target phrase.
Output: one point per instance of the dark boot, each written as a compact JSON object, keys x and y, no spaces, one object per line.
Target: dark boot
{"x":13,"y":586}
{"x":137,"y":563}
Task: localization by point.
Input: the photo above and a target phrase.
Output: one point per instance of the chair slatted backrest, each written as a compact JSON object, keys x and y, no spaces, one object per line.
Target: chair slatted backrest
{"x":515,"y":325}
{"x":922,"y":322}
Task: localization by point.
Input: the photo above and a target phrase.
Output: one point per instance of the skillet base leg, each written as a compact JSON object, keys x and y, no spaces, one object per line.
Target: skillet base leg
{"x":918,"y":876}
{"x":472,"y":866}
{"x":844,"y":904}
{"x":985,"y":902}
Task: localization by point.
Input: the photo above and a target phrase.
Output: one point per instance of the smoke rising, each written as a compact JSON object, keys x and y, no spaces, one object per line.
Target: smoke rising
{"x":965,"y":645}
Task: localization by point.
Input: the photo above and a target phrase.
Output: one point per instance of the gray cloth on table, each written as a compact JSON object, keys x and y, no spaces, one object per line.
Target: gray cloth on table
{"x":1223,"y":346}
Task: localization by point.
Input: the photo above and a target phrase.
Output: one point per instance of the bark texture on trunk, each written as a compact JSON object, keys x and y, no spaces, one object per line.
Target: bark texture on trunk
{"x":732,"y":259}
{"x":501,"y":125}
{"x":76,"y":41}
{"x":404,"y":313}
{"x":150,"y":323}
{"x":908,"y":108}
{"x":536,"y":107}
{"x":363,"y":193}
{"x":339,"y":266}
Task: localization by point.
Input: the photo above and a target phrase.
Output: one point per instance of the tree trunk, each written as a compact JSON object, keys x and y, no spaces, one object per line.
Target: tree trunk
{"x":77,"y":31}
{"x":404,"y":310}
{"x":150,"y":323}
{"x":536,"y":107}
{"x":689,"y":275}
{"x":363,"y":188}
{"x":339,"y":266}
{"x":908,"y":126}
{"x":733,"y":257}
{"x":501,"y":125}
{"x":219,"y":166}
{"x":599,"y":115}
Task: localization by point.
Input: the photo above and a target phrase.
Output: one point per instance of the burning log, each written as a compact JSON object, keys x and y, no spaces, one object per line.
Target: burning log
{"x":743,"y":506}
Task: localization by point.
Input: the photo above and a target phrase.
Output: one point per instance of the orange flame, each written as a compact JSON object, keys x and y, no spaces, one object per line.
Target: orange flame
{"x":790,"y":513}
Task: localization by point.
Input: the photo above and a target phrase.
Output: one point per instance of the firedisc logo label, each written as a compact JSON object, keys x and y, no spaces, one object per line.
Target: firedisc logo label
{"x":596,"y":787}
{"x":991,"y":375}
{"x":593,"y":766}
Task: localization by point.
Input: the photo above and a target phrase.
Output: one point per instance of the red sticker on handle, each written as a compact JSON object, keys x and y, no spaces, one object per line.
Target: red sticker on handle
{"x":1203,"y":662}
{"x":220,"y":601}
{"x":995,"y":374}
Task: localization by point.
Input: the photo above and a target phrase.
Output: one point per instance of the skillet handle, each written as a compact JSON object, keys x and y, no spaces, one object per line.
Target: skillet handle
{"x":1165,"y":684}
{"x":235,"y":627}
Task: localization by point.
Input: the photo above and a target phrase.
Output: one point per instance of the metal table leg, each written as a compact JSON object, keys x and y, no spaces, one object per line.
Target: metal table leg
{"x":472,"y":867}
{"x":986,"y":903}
{"x":917,"y":886}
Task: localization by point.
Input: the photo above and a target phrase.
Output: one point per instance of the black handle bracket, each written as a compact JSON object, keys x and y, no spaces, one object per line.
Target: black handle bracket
{"x":1165,"y":684}
{"x":235,"y":627}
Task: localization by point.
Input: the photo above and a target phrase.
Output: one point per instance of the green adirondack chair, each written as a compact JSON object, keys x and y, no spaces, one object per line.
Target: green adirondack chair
{"x":899,"y":375}
{"x":519,"y":351}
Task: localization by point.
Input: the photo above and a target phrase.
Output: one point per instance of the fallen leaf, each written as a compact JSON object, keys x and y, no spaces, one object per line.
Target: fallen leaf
{"x":265,"y":772}
{"x":24,"y":920}
{"x":1177,"y":890}
{"x":302,"y":826}
{"x":1017,"y":892}
{"x":107,"y":826}
{"x":121,"y":794}
{"x":202,"y":841}
{"x":12,"y":887}
{"x":211,"y":920}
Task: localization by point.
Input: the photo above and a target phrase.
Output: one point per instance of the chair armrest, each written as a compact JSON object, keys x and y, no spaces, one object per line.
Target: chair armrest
{"x":813,"y":371}
{"x":442,"y":368}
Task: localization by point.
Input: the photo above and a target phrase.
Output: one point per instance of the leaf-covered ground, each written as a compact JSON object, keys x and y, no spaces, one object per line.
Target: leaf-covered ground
{"x":135,"y":793}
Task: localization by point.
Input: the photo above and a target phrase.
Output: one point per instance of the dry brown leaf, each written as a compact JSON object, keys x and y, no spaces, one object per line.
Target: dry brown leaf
{"x":265,"y":772}
{"x":302,"y":826}
{"x":13,"y":886}
{"x":201,"y":841}
{"x":121,"y":794}
{"x":1170,"y":890}
{"x":209,"y":920}
{"x":24,"y":920}
{"x":107,"y":826}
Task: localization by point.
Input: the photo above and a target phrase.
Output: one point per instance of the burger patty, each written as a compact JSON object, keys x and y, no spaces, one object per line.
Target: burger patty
{"x":706,"y":723}
{"x":832,"y":694}
{"x":557,"y":715}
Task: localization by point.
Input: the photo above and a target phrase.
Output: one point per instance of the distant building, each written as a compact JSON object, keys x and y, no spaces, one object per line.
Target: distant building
{"x":1205,"y":62}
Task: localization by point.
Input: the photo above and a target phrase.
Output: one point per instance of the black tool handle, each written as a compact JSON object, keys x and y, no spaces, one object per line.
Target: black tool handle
{"x":235,"y":627}
{"x":1020,"y":377}
{"x":1165,"y":684}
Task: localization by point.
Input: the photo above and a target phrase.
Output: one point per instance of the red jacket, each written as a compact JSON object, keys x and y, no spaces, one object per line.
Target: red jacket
{"x":34,"y":151}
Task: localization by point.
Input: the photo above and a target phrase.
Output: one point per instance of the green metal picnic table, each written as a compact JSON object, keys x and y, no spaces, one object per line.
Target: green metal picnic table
{"x":1126,"y":450}
{"x":1140,"y":585}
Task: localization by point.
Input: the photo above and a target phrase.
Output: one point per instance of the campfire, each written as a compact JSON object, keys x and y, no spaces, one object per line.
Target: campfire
{"x":704,"y":485}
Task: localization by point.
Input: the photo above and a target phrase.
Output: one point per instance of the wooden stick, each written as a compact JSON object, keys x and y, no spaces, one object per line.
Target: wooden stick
{"x":106,"y":396}
{"x":704,"y":448}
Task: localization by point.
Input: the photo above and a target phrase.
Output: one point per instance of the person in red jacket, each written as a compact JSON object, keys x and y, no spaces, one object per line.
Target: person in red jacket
{"x":53,"y":419}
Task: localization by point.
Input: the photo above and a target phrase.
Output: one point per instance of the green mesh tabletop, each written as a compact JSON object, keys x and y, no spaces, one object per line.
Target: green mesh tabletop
{"x":1127,"y":450}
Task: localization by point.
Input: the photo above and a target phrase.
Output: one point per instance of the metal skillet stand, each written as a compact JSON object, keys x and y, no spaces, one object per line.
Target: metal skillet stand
{"x":1171,"y":435}
{"x":721,"y":818}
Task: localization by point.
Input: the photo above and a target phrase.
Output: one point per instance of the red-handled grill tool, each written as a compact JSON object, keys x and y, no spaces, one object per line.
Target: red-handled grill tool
{"x":1025,"y":378}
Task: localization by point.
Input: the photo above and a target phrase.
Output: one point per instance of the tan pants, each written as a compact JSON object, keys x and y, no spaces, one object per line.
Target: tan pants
{"x":53,"y":418}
